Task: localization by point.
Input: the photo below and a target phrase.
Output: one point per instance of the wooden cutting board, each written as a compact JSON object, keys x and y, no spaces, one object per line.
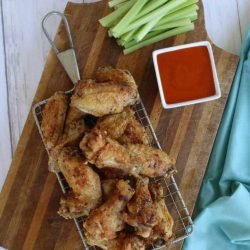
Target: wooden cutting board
{"x":30,"y":196}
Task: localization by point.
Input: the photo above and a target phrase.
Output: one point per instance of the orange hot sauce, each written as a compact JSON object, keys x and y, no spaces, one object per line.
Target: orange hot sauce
{"x":186,"y":74}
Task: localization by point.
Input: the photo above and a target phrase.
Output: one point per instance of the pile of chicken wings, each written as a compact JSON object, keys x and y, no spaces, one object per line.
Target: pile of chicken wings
{"x":104,"y":153}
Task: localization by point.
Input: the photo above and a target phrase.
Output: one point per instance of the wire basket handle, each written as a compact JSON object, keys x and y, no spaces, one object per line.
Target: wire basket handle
{"x":66,"y":57}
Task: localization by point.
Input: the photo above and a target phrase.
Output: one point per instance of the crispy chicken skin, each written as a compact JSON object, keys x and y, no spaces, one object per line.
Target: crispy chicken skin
{"x":126,"y":242}
{"x":104,"y":222}
{"x":151,"y":162}
{"x":104,"y":152}
{"x":71,"y":137}
{"x":53,"y":118}
{"x":84,"y":182}
{"x":104,"y":74}
{"x":123,"y":127}
{"x":133,"y":159}
{"x":164,"y":227}
{"x":74,"y":115}
{"x":106,"y":97}
{"x":141,"y":210}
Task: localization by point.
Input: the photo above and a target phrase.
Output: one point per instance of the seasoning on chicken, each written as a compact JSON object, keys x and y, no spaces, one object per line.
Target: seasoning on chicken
{"x":53,"y":118}
{"x":105,"y":222}
{"x":106,"y":97}
{"x":86,"y":191}
{"x":133,"y":159}
{"x":124,"y":127}
{"x":141,"y":210}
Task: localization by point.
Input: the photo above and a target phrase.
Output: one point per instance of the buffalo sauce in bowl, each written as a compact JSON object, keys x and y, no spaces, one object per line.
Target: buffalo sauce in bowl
{"x":186,"y":75}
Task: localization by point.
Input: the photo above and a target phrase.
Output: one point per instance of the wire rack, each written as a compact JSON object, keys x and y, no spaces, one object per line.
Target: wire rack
{"x":183,"y":225}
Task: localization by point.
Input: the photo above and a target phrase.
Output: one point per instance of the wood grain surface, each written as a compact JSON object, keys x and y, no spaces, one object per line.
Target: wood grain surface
{"x":30,"y":196}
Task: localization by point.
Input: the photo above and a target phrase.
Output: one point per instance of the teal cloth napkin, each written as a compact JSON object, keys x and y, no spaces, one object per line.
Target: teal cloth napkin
{"x":222,"y":212}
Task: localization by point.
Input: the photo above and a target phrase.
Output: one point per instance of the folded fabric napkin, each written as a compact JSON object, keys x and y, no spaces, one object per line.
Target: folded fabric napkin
{"x":222,"y":212}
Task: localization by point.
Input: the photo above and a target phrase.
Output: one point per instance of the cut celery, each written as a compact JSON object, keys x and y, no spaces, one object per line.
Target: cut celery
{"x":163,"y":10}
{"x":191,"y":10}
{"x":129,"y":35}
{"x":193,"y":17}
{"x":186,"y":4}
{"x":148,"y":36}
{"x":130,"y":15}
{"x":150,"y":6}
{"x":108,"y":20}
{"x":119,"y":5}
{"x":158,"y":38}
{"x":113,"y":3}
{"x":173,"y":24}
{"x":143,"y":31}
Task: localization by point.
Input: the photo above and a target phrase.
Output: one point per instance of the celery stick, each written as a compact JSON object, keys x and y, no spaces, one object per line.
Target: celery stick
{"x":113,"y":3}
{"x":191,"y":10}
{"x":129,"y":35}
{"x":158,"y":38}
{"x":173,"y":24}
{"x":193,"y":17}
{"x":143,"y":31}
{"x":150,"y":6}
{"x":186,"y":4}
{"x":147,"y":27}
{"x":120,"y":42}
{"x":163,"y":10}
{"x":108,"y":20}
{"x":119,"y":5}
{"x":130,"y":15}
{"x":148,"y":36}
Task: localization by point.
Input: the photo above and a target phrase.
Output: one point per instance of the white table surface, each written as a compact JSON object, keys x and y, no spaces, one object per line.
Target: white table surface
{"x":23,"y":51}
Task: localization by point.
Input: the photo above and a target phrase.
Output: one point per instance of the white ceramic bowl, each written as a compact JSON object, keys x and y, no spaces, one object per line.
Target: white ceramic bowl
{"x":215,"y":77}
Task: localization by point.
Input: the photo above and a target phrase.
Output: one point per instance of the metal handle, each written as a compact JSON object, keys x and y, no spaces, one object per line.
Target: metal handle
{"x":67,"y":57}
{"x":56,"y":13}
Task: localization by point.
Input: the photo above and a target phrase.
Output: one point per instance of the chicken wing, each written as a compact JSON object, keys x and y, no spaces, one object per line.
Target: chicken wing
{"x":104,"y":74}
{"x":104,"y":222}
{"x":141,"y":210}
{"x":83,"y":181}
{"x":123,"y":127}
{"x":164,"y":227}
{"x":133,"y":159}
{"x":74,"y":115}
{"x":126,"y":242}
{"x":104,"y":152}
{"x":106,"y":97}
{"x":151,"y":162}
{"x":71,"y":137}
{"x":53,"y":118}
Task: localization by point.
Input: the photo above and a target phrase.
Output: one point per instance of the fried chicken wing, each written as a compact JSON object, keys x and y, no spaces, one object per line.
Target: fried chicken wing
{"x":104,"y":222}
{"x":141,"y":210}
{"x":107,"y":96}
{"x":71,"y":137}
{"x":83,"y":181}
{"x":118,"y":76}
{"x":164,"y":227}
{"x":104,"y":152}
{"x":53,"y":118}
{"x":126,"y":242}
{"x":74,"y":115}
{"x":151,"y":162}
{"x":133,"y":159}
{"x":123,"y":127}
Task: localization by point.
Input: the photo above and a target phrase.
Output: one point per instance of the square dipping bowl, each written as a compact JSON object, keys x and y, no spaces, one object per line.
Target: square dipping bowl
{"x":186,"y":74}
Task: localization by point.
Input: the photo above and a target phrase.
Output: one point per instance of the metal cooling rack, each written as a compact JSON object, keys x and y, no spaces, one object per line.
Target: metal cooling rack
{"x":183,"y":225}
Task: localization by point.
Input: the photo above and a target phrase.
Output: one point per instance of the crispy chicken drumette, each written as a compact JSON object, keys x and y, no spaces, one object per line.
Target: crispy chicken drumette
{"x":86,"y":193}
